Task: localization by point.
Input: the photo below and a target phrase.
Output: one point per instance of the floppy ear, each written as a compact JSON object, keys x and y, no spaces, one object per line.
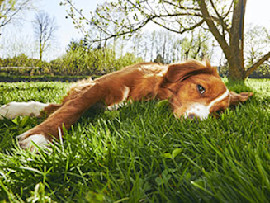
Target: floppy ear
{"x":181,"y":71}
{"x":177,"y":71}
{"x":236,"y":98}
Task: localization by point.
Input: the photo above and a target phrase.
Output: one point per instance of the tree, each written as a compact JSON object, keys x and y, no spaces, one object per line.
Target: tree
{"x":10,"y":9}
{"x":195,"y":46}
{"x":44,"y":27}
{"x":224,"y":19}
{"x":257,"y":40}
{"x":15,"y":43}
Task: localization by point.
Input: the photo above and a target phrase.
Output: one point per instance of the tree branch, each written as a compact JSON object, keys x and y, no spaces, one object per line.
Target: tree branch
{"x":8,"y":18}
{"x":213,"y":29}
{"x":221,"y":19}
{"x":149,"y":17}
{"x":180,"y":31}
{"x":229,"y":10}
{"x":181,"y":7}
{"x":257,"y":64}
{"x":124,"y":32}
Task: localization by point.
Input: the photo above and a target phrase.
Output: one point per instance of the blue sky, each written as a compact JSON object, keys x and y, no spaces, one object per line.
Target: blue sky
{"x":66,"y":30}
{"x":257,"y":12}
{"x":21,"y":32}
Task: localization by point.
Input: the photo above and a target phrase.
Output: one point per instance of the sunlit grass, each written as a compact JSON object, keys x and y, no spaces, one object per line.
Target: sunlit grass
{"x":140,"y":153}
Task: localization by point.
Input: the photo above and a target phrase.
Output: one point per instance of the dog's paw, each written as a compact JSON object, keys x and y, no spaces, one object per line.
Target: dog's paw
{"x":26,"y":141}
{"x":6,"y":113}
{"x":14,"y":109}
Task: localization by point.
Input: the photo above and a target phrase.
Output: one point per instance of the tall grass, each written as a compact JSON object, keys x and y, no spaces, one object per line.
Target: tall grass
{"x":140,"y":153}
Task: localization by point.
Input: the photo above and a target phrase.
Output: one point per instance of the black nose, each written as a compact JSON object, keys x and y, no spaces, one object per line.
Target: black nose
{"x":192,"y":116}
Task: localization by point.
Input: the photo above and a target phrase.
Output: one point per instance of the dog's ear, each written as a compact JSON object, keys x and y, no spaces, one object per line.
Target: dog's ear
{"x":182,"y":71}
{"x":178,"y":71}
{"x":236,"y":98}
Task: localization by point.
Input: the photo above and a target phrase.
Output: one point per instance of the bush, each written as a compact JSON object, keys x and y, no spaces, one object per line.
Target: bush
{"x":77,"y":61}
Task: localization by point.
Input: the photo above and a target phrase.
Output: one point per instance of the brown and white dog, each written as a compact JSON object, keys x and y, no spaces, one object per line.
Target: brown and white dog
{"x":194,"y":90}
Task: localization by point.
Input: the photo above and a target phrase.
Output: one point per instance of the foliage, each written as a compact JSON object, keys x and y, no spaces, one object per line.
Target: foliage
{"x":196,"y":47}
{"x":10,"y":9}
{"x":82,"y":59}
{"x":257,"y":41}
{"x":78,"y":60}
{"x":21,"y":65}
{"x":225,"y":21}
{"x":167,"y":47}
{"x":140,"y":153}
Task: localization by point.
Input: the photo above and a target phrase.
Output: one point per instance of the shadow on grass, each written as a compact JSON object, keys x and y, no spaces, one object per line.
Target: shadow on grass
{"x":238,"y":86}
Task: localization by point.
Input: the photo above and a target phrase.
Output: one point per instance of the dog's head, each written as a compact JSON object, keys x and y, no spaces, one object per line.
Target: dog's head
{"x":196,"y":90}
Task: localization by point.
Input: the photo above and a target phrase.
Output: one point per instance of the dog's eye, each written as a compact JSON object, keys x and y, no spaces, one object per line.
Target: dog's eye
{"x":201,"y":89}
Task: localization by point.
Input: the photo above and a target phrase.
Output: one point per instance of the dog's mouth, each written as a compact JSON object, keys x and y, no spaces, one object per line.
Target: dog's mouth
{"x":203,"y":115}
{"x":202,"y":111}
{"x":197,"y":111}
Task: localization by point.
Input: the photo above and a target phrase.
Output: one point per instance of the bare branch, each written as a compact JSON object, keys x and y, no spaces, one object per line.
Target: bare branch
{"x":257,"y":64}
{"x":229,"y":10}
{"x":44,"y":28}
{"x":125,"y":32}
{"x":132,"y":27}
{"x":181,"y":7}
{"x":213,"y":29}
{"x":182,"y":30}
{"x":220,"y":19}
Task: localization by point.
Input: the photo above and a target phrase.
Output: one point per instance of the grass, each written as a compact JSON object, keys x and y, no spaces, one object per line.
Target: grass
{"x":140,"y":153}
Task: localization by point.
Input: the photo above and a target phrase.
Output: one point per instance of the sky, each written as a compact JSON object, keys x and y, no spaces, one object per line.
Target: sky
{"x":257,"y":13}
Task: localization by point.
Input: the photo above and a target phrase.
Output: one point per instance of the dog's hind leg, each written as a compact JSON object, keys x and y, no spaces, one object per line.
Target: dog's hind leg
{"x":66,"y":115}
{"x":14,"y":109}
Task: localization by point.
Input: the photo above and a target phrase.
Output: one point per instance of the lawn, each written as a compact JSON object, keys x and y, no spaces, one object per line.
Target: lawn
{"x":140,"y":153}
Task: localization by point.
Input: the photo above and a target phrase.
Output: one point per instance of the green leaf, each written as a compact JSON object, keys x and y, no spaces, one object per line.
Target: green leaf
{"x":159,"y":181}
{"x":162,"y":103}
{"x":167,"y":155}
{"x":16,"y":120}
{"x":176,"y":152}
{"x":24,"y":121}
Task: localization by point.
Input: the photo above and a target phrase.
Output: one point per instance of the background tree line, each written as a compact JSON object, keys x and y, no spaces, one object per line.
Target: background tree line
{"x":224,"y":20}
{"x":85,"y":58}
{"x":114,"y":37}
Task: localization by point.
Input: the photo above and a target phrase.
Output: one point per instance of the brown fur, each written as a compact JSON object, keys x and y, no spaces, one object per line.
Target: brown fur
{"x":176,"y":82}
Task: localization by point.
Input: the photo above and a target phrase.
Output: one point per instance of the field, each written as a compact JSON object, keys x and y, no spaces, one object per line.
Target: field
{"x":140,"y":153}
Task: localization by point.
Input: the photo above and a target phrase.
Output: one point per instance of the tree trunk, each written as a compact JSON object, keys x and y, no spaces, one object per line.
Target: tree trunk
{"x":236,"y":43}
{"x":235,"y":73}
{"x":234,"y":50}
{"x":40,"y":52}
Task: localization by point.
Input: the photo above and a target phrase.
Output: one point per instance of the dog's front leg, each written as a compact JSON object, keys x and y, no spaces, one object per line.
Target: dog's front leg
{"x":14,"y":109}
{"x":65,"y":116}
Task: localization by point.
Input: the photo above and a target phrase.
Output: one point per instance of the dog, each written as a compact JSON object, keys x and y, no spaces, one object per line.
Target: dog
{"x":194,"y":90}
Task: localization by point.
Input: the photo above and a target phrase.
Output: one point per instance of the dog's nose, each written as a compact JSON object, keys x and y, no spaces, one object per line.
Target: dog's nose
{"x":192,"y":116}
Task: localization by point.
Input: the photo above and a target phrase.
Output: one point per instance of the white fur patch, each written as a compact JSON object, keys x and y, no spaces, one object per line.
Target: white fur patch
{"x":165,"y":70}
{"x":125,"y":96}
{"x":27,"y":142}
{"x":14,"y":109}
{"x":126,"y":93}
{"x":203,"y":111}
{"x":220,"y":98}
{"x":198,"y":110}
